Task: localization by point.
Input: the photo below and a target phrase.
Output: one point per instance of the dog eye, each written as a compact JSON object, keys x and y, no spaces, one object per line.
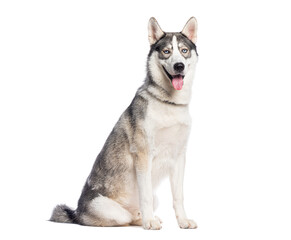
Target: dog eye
{"x":166,"y":51}
{"x":184,"y":50}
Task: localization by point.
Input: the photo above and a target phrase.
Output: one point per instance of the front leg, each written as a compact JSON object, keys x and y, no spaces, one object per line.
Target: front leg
{"x":143,"y":168}
{"x":176,"y":178}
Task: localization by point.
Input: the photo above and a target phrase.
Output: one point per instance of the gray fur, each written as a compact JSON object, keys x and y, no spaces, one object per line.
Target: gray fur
{"x":110,"y":169}
{"x":64,"y":214}
{"x":113,"y":166}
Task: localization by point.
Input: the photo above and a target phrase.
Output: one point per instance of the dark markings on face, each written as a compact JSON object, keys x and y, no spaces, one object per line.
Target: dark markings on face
{"x":187,"y":42}
{"x":162,"y":46}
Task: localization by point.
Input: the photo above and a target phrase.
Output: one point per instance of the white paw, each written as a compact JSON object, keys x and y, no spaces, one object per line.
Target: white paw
{"x":152,"y":224}
{"x":187,"y":224}
{"x":157,"y":218}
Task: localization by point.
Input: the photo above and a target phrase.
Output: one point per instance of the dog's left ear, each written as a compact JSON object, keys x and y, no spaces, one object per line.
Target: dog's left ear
{"x":190,"y":29}
{"x":155,"y":31}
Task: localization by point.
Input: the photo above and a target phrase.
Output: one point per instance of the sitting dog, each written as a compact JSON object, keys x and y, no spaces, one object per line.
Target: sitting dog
{"x":147,"y":144}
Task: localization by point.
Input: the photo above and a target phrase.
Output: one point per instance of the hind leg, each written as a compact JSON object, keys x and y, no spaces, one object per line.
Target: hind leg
{"x":105,"y":212}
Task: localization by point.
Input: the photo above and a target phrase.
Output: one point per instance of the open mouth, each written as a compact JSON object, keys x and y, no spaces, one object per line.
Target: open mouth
{"x":176,"y":80}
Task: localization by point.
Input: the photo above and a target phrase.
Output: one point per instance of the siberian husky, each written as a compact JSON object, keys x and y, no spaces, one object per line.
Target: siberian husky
{"x":147,"y":143}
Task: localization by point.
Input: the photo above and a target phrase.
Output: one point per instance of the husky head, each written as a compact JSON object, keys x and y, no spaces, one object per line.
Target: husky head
{"x":173,"y":55}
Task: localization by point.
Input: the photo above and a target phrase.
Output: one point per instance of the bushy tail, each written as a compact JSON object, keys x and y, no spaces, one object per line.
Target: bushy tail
{"x":64,"y":214}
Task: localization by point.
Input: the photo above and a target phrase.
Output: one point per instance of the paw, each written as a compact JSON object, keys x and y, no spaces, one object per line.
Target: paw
{"x":152,"y":224}
{"x":187,"y":224}
{"x":157,"y":218}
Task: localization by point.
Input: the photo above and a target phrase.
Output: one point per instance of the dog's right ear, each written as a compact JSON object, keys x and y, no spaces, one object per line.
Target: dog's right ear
{"x":155,"y":31}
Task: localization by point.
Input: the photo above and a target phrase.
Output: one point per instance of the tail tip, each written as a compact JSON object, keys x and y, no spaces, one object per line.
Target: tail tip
{"x":62,"y":213}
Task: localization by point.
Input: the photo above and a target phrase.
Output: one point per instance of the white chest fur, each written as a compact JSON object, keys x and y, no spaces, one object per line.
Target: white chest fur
{"x":168,"y":128}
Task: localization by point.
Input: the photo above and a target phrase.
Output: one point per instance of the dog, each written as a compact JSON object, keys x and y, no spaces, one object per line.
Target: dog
{"x":147,"y":144}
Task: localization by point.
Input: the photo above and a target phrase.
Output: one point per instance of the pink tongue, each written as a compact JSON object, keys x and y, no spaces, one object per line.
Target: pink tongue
{"x":177,"y":82}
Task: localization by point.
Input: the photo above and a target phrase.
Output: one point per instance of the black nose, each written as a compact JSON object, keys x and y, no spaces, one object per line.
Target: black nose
{"x":179,"y":67}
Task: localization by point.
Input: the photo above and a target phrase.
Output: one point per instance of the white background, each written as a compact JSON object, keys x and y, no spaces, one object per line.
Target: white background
{"x":69,"y":68}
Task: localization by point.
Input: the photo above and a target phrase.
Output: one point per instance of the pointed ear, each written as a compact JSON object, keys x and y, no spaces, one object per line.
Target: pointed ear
{"x":190,"y":29}
{"x":155,"y":31}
